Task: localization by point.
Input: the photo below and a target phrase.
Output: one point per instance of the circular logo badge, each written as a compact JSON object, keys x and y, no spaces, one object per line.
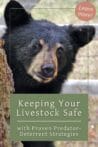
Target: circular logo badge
{"x":85,"y":11}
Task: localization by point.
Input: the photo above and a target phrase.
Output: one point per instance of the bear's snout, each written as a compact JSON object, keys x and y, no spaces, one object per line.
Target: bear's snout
{"x":47,"y":70}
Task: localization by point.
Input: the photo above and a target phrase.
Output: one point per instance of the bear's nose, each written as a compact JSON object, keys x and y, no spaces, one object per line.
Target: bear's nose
{"x":48,"y":70}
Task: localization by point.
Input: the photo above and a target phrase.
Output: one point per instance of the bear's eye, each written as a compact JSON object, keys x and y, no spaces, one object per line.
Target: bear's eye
{"x":37,"y":47}
{"x":60,"y":51}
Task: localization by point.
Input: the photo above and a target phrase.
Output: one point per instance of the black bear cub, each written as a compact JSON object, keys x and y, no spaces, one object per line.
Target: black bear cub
{"x":40,"y":53}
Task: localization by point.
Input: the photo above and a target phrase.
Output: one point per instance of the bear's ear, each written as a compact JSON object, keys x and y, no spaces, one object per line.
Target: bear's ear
{"x":15,"y":15}
{"x":81,"y":35}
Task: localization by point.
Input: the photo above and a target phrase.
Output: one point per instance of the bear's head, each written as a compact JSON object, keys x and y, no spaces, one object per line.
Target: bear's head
{"x":43,"y":49}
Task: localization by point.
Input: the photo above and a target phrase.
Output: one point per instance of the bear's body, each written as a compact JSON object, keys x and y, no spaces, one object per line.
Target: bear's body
{"x":40,"y":53}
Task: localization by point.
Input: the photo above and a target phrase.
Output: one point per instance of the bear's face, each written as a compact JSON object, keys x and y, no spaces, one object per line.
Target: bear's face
{"x":42,"y":48}
{"x":49,"y":48}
